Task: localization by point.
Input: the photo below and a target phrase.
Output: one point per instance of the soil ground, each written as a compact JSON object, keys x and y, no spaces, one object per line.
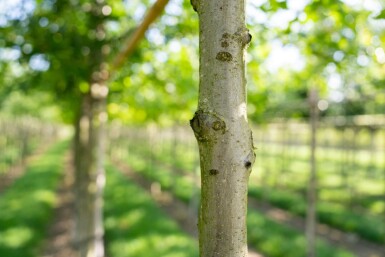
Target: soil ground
{"x":58,"y":243}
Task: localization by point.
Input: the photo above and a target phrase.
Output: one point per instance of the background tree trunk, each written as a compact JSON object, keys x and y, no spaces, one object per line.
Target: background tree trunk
{"x":89,"y":176}
{"x":90,"y":139}
{"x":311,"y":218}
{"x":90,"y":148}
{"x":221,"y":128}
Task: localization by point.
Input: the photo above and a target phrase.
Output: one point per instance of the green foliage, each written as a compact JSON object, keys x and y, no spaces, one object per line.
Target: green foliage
{"x":35,"y":104}
{"x":155,"y":92}
{"x":63,"y":44}
{"x":26,"y":207}
{"x":159,"y":82}
{"x":381,"y":15}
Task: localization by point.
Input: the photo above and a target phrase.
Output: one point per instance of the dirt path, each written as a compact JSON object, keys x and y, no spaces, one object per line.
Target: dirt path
{"x":185,"y":215}
{"x":58,"y":242}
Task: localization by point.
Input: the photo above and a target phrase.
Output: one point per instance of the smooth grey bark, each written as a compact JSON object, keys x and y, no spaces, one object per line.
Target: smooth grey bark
{"x":221,"y":128}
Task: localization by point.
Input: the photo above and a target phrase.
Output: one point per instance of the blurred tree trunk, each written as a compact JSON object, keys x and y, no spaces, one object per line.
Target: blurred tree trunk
{"x":89,"y":152}
{"x":311,"y":218}
{"x":89,"y":176}
{"x":90,"y":149}
{"x":221,"y":128}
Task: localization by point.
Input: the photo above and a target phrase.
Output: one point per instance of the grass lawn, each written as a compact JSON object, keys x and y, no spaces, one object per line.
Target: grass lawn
{"x":26,"y":207}
{"x":135,"y":226}
{"x":265,"y":235}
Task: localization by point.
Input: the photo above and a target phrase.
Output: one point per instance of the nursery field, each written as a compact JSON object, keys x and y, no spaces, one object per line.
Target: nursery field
{"x":226,"y":128}
{"x":350,"y":174}
{"x":19,"y":137}
{"x":350,"y":207}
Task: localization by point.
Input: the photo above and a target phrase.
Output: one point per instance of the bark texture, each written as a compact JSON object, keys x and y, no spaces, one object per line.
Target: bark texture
{"x":221,"y":128}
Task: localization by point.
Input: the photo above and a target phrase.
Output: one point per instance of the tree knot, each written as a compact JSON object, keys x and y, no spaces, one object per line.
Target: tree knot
{"x":207,"y":125}
{"x":243,"y":36}
{"x":249,"y":160}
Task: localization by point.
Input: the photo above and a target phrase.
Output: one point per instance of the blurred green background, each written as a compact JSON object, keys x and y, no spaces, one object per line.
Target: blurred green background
{"x":50,"y":50}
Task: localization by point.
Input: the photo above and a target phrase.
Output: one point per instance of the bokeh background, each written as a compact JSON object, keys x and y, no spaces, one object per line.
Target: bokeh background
{"x":53,"y":51}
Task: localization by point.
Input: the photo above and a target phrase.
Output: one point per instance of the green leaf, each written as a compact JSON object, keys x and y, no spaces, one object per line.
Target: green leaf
{"x":381,"y":15}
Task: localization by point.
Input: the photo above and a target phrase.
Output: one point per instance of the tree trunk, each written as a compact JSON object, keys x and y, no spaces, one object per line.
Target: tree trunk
{"x":90,"y":148}
{"x":89,"y":174}
{"x":311,"y":217}
{"x":221,"y":128}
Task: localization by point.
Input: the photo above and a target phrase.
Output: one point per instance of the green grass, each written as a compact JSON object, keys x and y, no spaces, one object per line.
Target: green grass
{"x":337,"y":215}
{"x":370,"y":228}
{"x":26,"y":207}
{"x":11,"y":151}
{"x":265,"y":235}
{"x":166,"y":176}
{"x":135,"y":226}
{"x":276,"y":240}
{"x":9,"y":156}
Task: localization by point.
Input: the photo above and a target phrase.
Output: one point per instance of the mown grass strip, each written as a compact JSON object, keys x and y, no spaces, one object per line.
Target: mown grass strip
{"x":135,"y":226}
{"x":335,"y":215}
{"x":276,"y":240}
{"x":370,"y":228}
{"x":265,"y":235}
{"x":26,"y":207}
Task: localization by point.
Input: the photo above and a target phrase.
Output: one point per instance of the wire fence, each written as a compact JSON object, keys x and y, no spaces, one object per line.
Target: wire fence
{"x":20,"y":137}
{"x":350,"y":166}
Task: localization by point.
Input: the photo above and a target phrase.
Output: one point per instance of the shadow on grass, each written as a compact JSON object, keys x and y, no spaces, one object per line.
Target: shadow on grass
{"x":26,"y":207}
{"x":135,"y":226}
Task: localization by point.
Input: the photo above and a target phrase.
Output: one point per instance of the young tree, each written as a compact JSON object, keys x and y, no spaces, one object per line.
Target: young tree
{"x":311,"y":217}
{"x":73,"y":38}
{"x":221,"y":128}
{"x":90,"y":140}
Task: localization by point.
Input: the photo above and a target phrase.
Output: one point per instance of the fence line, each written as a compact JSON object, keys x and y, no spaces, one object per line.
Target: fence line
{"x":350,"y":162}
